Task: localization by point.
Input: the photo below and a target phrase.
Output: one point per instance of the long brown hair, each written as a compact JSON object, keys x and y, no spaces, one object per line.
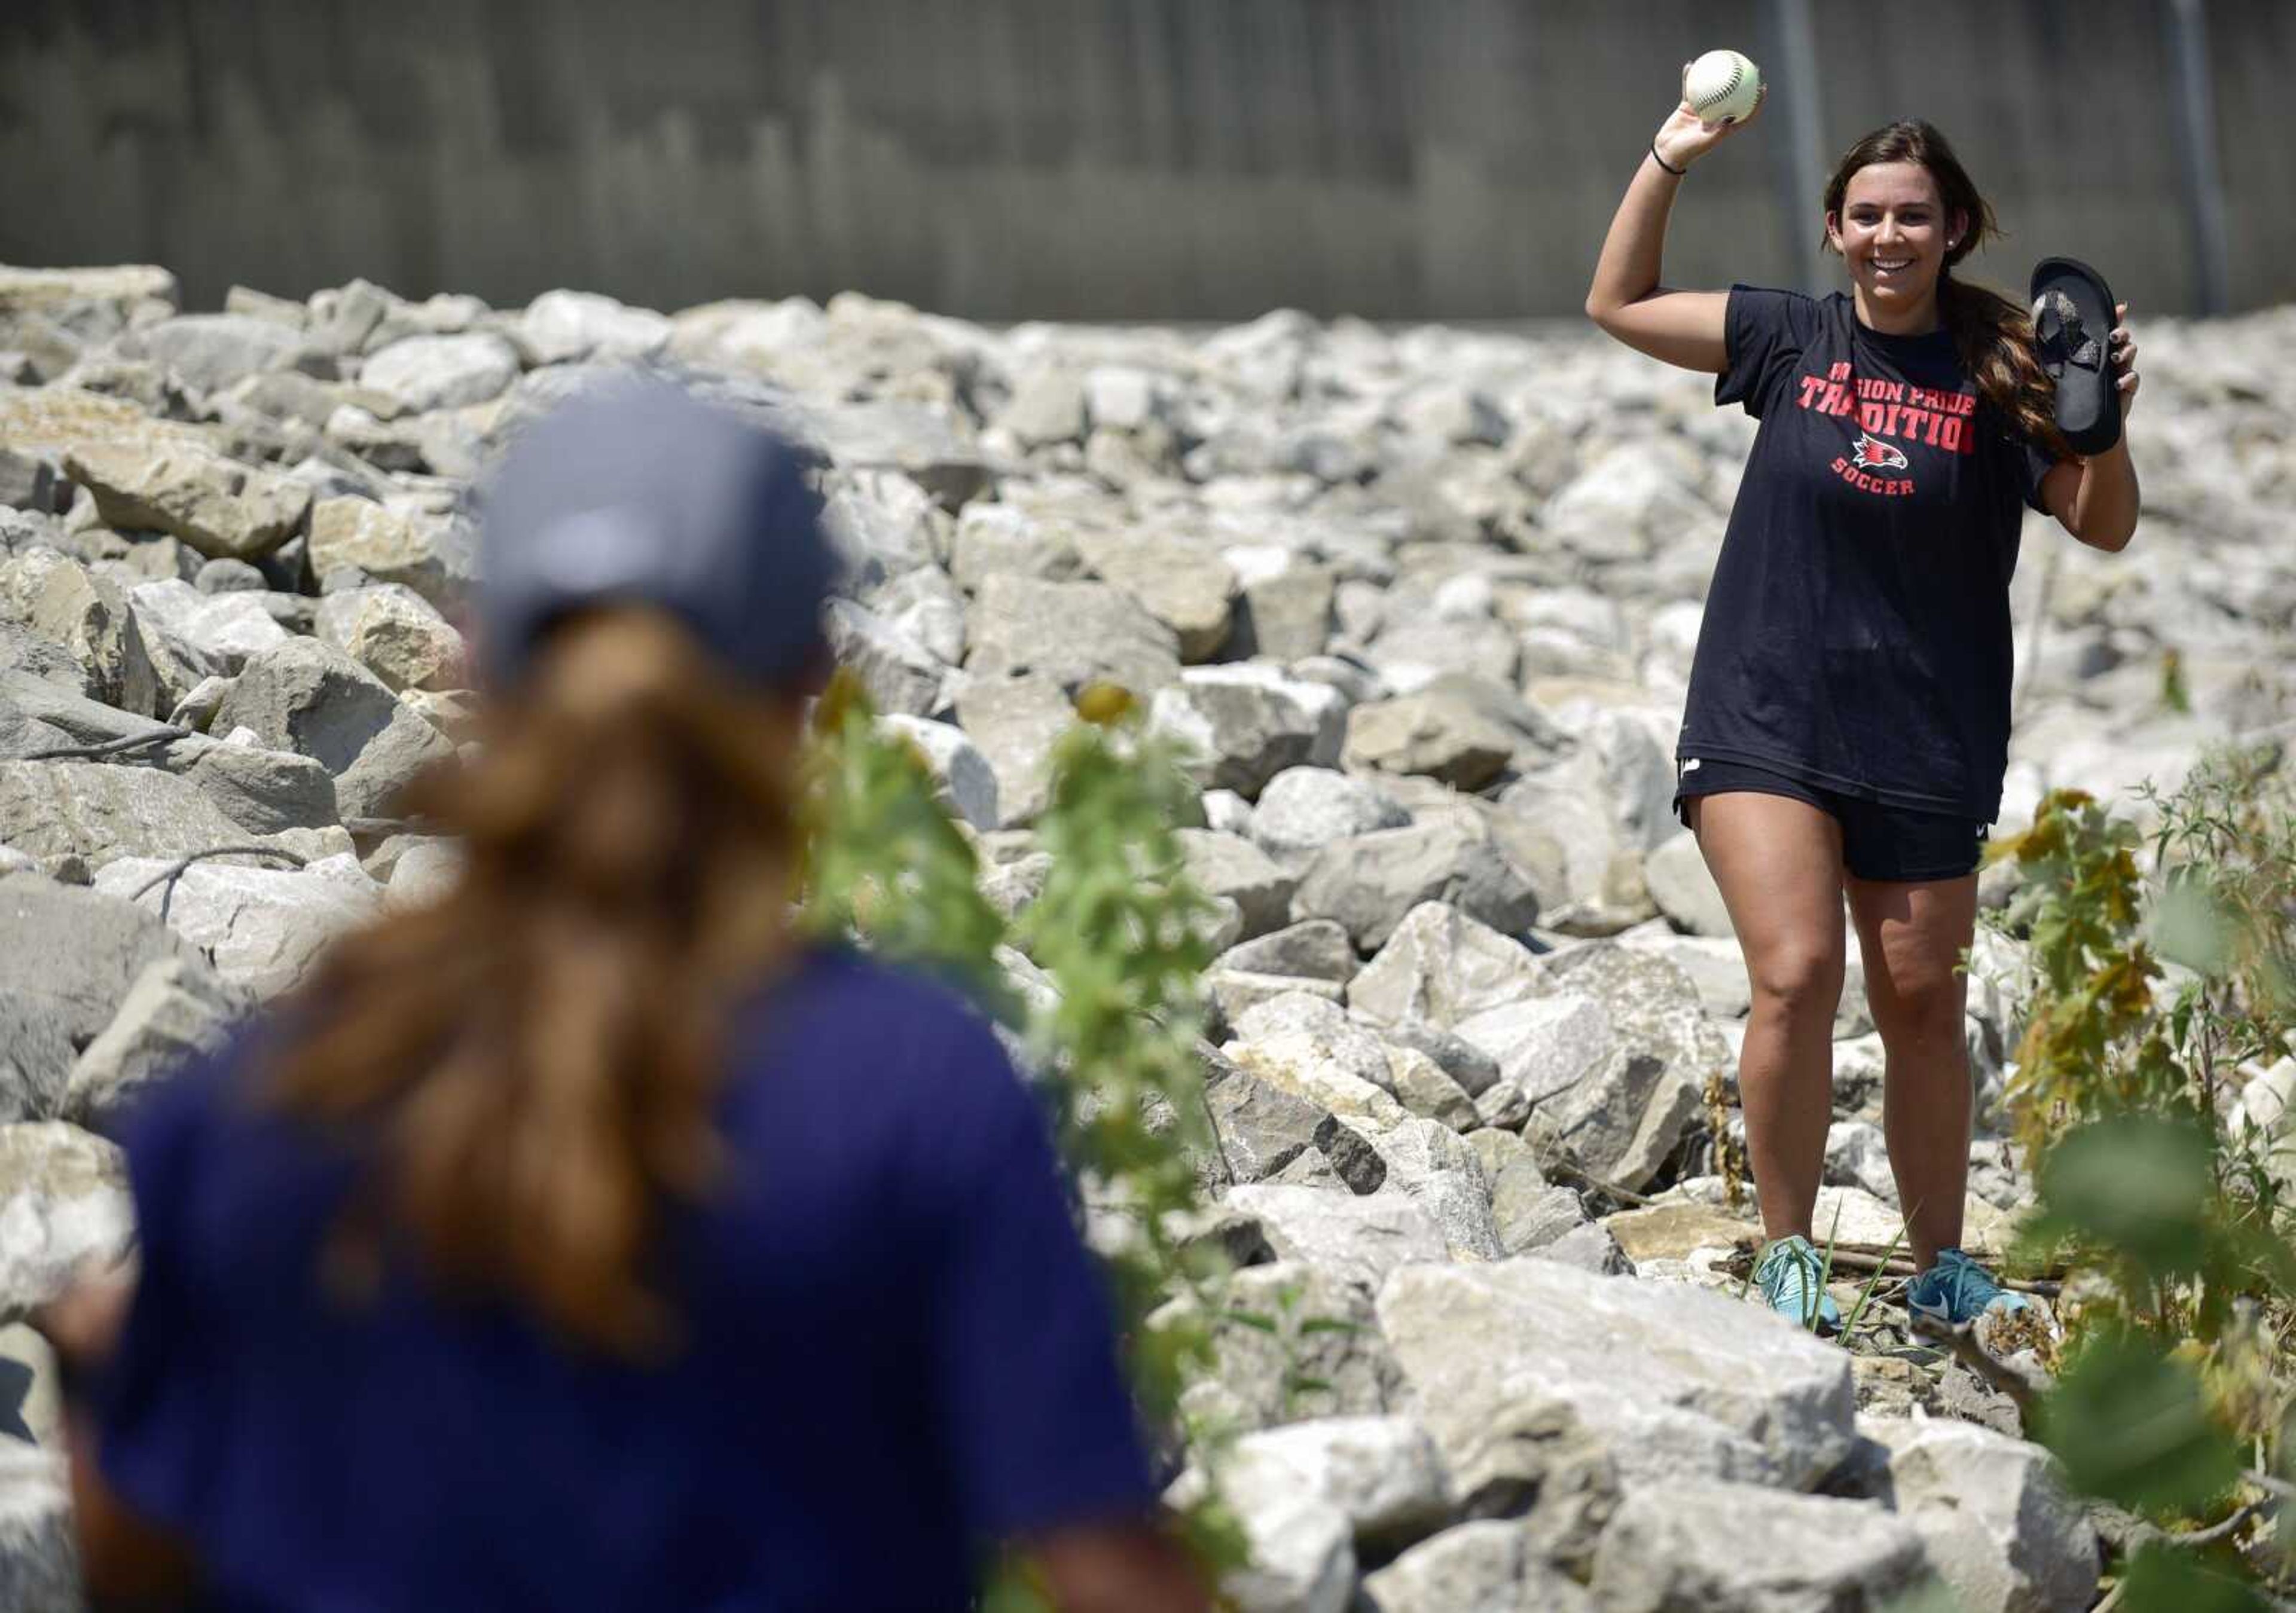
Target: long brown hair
{"x":535,"y":1056}
{"x":1992,"y":335}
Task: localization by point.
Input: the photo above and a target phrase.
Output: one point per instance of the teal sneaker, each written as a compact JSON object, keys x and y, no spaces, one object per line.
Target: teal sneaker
{"x":1791,"y":1276}
{"x":1958,"y":1290}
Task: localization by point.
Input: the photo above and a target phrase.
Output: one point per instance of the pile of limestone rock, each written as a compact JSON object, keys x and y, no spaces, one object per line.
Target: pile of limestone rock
{"x":1421,"y":604}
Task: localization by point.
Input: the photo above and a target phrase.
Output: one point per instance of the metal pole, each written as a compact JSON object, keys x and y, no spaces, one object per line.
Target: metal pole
{"x":2196,"y":152}
{"x":1794,"y":135}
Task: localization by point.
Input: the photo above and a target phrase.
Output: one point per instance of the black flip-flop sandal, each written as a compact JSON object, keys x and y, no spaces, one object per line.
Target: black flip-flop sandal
{"x":2072,"y":339}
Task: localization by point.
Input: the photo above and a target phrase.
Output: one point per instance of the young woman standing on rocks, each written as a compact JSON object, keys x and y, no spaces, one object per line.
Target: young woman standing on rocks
{"x":1847,"y":725}
{"x":584,"y":1240}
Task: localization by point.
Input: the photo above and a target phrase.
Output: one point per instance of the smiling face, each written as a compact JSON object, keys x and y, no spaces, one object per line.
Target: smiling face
{"x":1893,"y":232}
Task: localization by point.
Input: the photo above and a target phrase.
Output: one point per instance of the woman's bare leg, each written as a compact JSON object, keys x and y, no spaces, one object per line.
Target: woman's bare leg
{"x":1778,"y":863}
{"x":1912,"y":933}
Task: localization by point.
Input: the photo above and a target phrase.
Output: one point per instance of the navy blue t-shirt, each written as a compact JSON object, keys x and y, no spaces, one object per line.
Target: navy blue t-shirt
{"x":898,"y":1351}
{"x":1857,"y":630}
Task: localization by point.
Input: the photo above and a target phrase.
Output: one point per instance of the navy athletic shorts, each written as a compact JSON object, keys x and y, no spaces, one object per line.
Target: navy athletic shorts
{"x":1878,"y":842}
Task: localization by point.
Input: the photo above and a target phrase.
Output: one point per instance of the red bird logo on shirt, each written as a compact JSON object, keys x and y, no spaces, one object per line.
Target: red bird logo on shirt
{"x":1869,"y":451}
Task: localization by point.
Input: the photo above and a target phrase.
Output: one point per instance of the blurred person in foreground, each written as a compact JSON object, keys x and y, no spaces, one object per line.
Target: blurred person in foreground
{"x":585,"y":1240}
{"x":1846,"y":724}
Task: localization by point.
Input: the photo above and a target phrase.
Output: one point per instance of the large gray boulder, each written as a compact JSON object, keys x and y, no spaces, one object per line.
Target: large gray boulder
{"x":1369,"y":882}
{"x":963,"y":781}
{"x":1300,"y":1551}
{"x":396,"y":635}
{"x":567,"y":327}
{"x":193,"y":636}
{"x":1739,"y":1548}
{"x":1622,"y":1121}
{"x":1486,"y":1565}
{"x":264,"y":928}
{"x":64,"y":1203}
{"x":1287,"y":614}
{"x":263,"y":791}
{"x":900,"y":676}
{"x":208,"y":352}
{"x":54,"y":596}
{"x":1416,"y":649}
{"x":1993,"y":1512}
{"x":1442,"y":968}
{"x":39,"y":1553}
{"x":1302,"y":809}
{"x":1292,"y":1339}
{"x":1757,"y":1401}
{"x":1241,"y":725}
{"x":1073,"y":633}
{"x":1314,"y":949}
{"x":1015,"y":722}
{"x":1545,"y":1044}
{"x":1428,"y":1159}
{"x":1184,"y":585}
{"x":1357,"y":1238}
{"x":1431,"y":733}
{"x":69,"y":958}
{"x":100,"y":813}
{"x":1231,"y":866}
{"x":1004,"y":540}
{"x":436,"y":555}
{"x":885,"y":528}
{"x":424,"y":373}
{"x":1384,"y":1474}
{"x":312,"y":698}
{"x":216,"y":505}
{"x":1528,"y":1212}
{"x":1676,"y":875}
{"x":1298,"y":1031}
{"x":1258,"y":1129}
{"x":178,"y":1008}
{"x":25,"y":654}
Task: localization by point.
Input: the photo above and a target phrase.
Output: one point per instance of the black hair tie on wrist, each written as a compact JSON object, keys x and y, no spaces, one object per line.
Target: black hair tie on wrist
{"x":1663,"y":163}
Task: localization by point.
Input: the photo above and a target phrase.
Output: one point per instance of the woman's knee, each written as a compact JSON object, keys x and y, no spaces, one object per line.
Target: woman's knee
{"x":1797,"y":980}
{"x":1929,"y":1007}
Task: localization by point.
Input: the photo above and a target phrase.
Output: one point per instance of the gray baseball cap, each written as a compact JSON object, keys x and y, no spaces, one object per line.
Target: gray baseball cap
{"x":637,"y":491}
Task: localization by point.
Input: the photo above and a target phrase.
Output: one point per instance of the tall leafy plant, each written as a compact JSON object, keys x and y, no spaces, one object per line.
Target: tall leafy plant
{"x":2151,"y":993}
{"x":1122,"y":934}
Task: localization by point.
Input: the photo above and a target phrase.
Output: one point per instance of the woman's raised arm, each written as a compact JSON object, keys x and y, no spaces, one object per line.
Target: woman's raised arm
{"x":1683,"y":328}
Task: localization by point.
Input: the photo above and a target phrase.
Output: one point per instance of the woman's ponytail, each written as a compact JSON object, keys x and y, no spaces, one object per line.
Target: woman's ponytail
{"x":538,"y":1052}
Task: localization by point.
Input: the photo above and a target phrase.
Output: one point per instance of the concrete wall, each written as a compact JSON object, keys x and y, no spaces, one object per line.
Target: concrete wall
{"x":1066,"y":158}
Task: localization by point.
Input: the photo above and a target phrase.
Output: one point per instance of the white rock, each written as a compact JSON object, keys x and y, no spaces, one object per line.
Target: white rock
{"x":426,"y":372}
{"x":1443,"y":967}
{"x":1736,"y":1548}
{"x":1755,"y":1400}
{"x":962,"y":779}
{"x":396,"y":635}
{"x":63,"y":1205}
{"x":1994,"y":1515}
{"x":39,"y":1556}
{"x":560,"y":327}
{"x":1485,"y":1567}
{"x":1545,"y":1044}
{"x":263,"y":927}
{"x":1243,"y":725}
{"x":1357,"y":1239}
{"x":1301,"y":807}
{"x":1685,"y":891}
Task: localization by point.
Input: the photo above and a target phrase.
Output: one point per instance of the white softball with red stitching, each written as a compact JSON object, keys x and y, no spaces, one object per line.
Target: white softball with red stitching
{"x":1722,"y":85}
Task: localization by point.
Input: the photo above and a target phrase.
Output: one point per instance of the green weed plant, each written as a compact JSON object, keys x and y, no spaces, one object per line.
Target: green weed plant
{"x":1122,"y":935}
{"x":2154,"y":994}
